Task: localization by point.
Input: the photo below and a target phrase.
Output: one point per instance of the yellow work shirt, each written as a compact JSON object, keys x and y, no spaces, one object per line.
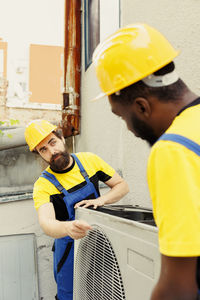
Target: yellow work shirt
{"x":71,"y":179}
{"x":174,"y":183}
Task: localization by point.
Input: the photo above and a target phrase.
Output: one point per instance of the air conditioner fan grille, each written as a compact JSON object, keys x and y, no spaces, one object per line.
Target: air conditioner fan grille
{"x":97,"y":274}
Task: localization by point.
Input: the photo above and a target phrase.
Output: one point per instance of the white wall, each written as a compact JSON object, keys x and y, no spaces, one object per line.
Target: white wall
{"x":179,"y":22}
{"x":101,"y":131}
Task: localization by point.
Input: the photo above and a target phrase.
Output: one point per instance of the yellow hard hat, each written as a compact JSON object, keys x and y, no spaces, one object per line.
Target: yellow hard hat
{"x":36,"y":131}
{"x":129,"y":55}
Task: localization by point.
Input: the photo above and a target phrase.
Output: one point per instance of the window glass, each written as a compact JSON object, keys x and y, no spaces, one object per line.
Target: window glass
{"x":102,"y":18}
{"x":92,"y":28}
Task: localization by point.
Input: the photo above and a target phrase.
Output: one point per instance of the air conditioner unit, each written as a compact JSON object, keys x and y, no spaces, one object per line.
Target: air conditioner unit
{"x":119,"y":258}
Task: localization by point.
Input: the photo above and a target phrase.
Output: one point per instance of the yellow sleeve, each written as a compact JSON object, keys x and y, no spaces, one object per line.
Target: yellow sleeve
{"x":42,"y":191}
{"x":174,"y":184}
{"x":93,"y":162}
{"x":103,"y":166}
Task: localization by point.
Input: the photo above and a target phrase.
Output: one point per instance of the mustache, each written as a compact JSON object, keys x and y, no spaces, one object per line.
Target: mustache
{"x":59,"y":161}
{"x":54,"y":156}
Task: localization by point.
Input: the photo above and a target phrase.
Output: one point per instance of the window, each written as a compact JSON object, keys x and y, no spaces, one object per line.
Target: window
{"x":46,"y":74}
{"x":34,"y":52}
{"x":92,"y":28}
{"x":102,"y":18}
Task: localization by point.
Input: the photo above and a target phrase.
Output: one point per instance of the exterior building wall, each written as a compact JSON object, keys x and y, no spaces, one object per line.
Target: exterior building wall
{"x":3,"y":91}
{"x":18,"y":170}
{"x":26,"y":115}
{"x":18,"y":167}
{"x":101,"y":131}
{"x":179,"y":22}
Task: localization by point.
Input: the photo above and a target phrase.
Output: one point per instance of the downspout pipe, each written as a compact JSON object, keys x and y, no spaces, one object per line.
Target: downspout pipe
{"x":72,"y":69}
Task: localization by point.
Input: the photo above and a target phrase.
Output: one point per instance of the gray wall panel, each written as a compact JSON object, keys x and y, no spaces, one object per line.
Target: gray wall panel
{"x":18,"y":268}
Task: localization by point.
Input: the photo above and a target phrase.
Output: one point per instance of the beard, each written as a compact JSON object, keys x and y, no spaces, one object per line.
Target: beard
{"x":59,"y":163}
{"x":143,"y":130}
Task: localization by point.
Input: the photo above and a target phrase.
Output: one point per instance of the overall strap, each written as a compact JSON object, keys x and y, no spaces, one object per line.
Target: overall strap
{"x":181,"y":140}
{"x":82,"y":170}
{"x":54,"y":181}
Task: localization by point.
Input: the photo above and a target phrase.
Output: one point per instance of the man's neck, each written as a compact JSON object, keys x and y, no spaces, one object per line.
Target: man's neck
{"x":186,"y":99}
{"x":167,"y":111}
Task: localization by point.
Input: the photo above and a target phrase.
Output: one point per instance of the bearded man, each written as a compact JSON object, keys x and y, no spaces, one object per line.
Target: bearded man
{"x":70,"y":181}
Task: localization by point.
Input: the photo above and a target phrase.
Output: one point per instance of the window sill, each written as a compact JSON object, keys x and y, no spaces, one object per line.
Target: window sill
{"x":16,"y":103}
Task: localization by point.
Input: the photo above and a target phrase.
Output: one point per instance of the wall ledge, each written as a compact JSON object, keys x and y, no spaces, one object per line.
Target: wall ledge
{"x":16,"y":103}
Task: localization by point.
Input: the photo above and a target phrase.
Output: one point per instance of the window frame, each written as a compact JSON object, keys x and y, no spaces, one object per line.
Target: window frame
{"x":87,"y":30}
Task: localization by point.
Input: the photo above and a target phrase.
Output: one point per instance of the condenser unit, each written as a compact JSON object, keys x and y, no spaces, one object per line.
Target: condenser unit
{"x":119,"y":258}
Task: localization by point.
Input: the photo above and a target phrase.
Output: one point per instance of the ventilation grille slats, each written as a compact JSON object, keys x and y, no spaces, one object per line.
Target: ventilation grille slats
{"x":97,"y":274}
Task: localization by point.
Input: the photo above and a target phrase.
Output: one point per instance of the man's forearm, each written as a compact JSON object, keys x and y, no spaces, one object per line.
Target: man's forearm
{"x":160,"y":293}
{"x":116,"y":193}
{"x":55,"y":228}
{"x":76,"y":229}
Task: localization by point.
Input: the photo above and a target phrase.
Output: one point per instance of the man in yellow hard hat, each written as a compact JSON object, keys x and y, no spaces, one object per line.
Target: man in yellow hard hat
{"x":70,"y":181}
{"x":136,"y":71}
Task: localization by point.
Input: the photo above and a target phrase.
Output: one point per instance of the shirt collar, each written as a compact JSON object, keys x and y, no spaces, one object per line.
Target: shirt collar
{"x":193,"y":103}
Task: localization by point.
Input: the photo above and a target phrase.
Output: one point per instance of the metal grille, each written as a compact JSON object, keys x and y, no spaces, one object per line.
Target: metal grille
{"x":97,"y":274}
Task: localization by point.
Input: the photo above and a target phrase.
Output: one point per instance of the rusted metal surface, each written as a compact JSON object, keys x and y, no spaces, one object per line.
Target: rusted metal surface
{"x":72,"y":69}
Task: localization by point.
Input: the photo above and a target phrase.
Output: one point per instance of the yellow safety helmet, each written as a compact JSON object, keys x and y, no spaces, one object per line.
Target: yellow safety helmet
{"x":36,"y":131}
{"x":129,"y":55}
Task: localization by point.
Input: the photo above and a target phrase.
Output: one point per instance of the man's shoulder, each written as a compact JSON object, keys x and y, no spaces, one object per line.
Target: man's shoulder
{"x":86,"y":156}
{"x":90,"y":159}
{"x":187,"y":124}
{"x":41,"y":180}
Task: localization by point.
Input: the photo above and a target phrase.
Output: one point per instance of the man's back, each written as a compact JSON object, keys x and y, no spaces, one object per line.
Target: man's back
{"x":173,"y":176}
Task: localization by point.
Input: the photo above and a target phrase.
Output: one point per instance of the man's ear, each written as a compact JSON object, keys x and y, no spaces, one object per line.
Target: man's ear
{"x":142,"y":107}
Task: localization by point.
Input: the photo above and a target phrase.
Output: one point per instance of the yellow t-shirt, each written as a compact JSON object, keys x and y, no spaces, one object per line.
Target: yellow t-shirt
{"x":71,"y":179}
{"x":174,"y":184}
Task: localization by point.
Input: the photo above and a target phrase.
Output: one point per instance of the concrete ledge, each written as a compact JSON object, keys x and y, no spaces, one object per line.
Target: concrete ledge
{"x":12,"y":138}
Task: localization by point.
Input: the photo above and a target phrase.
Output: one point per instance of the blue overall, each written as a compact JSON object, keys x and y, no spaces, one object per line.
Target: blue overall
{"x":64,"y":247}
{"x":181,"y":140}
{"x":196,"y":149}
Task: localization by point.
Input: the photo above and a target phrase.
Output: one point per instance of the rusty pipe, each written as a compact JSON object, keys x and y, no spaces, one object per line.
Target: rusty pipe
{"x":72,"y":69}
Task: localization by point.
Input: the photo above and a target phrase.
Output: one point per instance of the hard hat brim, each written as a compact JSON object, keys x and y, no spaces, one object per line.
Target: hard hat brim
{"x":100,"y":96}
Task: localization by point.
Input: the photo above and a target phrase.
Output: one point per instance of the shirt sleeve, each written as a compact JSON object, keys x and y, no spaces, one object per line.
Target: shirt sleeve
{"x":42,"y":191}
{"x":174,"y":184}
{"x":103,"y":169}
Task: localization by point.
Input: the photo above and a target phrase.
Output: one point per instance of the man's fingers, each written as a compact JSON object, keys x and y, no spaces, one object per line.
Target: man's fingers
{"x":80,"y":203}
{"x":88,"y":204}
{"x":77,"y":236}
{"x":82,"y":225}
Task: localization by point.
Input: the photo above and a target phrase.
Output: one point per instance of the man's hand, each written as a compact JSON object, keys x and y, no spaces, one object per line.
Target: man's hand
{"x":57,"y":229}
{"x":86,"y":203}
{"x":118,"y":189}
{"x":77,"y":229}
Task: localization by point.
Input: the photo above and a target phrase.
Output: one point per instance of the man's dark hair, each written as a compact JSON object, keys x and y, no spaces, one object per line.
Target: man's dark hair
{"x":58,"y":132}
{"x":172,"y":92}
